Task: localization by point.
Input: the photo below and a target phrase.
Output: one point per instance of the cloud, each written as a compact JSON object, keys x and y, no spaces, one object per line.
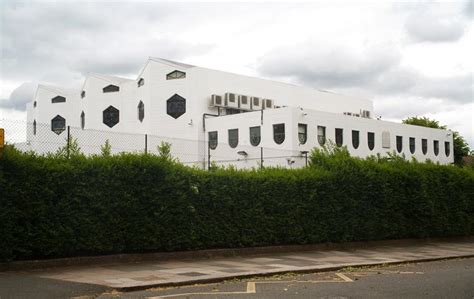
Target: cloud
{"x":66,"y":40}
{"x":22,"y":95}
{"x":329,"y":66}
{"x":436,"y":22}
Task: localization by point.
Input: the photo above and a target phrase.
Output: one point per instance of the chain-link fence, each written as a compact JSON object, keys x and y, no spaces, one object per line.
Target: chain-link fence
{"x":51,"y":138}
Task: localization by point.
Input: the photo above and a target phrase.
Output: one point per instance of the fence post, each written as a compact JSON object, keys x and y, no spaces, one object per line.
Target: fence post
{"x":68,"y":141}
{"x":208,"y":156}
{"x":146,"y":144}
{"x":261,"y":157}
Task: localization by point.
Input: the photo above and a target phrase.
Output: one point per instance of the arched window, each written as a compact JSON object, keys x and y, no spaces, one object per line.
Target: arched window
{"x":399,"y":144}
{"x":83,"y":120}
{"x":321,"y":135}
{"x":412,"y":145}
{"x":83,"y":94}
{"x":371,"y":140}
{"x":424,"y":146}
{"x":279,"y":133}
{"x":302,"y":133}
{"x":141,"y":82}
{"x":34,"y":104}
{"x":355,"y":139}
{"x":339,"y":137}
{"x":212,"y":140}
{"x":233,"y":135}
{"x":34,"y":127}
{"x":447,"y":148}
{"x":255,"y":136}
{"x":141,"y":111}
{"x":436,"y":147}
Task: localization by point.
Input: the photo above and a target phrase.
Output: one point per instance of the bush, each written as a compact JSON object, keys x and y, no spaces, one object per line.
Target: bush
{"x":57,"y":207}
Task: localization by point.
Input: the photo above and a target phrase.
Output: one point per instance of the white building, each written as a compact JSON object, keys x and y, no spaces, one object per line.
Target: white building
{"x":232,"y":119}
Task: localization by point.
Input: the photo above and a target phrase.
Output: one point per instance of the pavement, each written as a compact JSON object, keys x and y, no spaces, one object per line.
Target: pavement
{"x":451,"y":278}
{"x":186,"y":271}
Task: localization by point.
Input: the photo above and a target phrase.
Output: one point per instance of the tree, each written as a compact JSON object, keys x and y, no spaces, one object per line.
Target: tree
{"x":461,"y":148}
{"x":106,"y":149}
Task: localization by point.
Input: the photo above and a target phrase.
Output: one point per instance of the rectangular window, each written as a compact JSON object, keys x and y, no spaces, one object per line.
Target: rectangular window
{"x":386,"y":139}
{"x":279,"y":133}
{"x":255,"y":136}
{"x":233,"y":137}
{"x":321,"y":135}
{"x":302,"y":133}
{"x":371,"y":140}
{"x":339,"y":137}
{"x":212,"y":140}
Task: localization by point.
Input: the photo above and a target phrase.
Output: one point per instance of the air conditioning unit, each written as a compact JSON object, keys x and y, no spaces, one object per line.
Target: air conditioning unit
{"x":244,"y":102}
{"x":365,"y":113}
{"x":267,"y":104}
{"x":256,"y":103}
{"x":231,"y":100}
{"x":217,"y":101}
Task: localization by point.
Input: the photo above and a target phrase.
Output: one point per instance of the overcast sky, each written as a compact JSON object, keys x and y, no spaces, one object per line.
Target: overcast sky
{"x":411,"y":59}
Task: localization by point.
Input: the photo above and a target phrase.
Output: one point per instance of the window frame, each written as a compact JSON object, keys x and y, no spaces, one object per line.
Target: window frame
{"x":424,"y":146}
{"x":211,"y":141}
{"x":170,"y":76}
{"x":83,"y":120}
{"x":356,"y":141}
{"x":233,"y":137}
{"x":110,"y":88}
{"x":447,"y":148}
{"x":279,"y":137}
{"x":302,"y":136}
{"x":339,"y":138}
{"x":371,"y":140}
{"x":436,"y":147}
{"x":141,"y":111}
{"x":251,"y":137}
{"x":321,"y":138}
{"x":399,"y":143}
{"x":34,"y":127}
{"x":56,"y":129}
{"x":412,"y":144}
{"x":58,"y":99}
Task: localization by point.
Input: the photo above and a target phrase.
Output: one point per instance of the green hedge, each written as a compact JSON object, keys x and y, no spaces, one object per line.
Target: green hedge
{"x":54,"y":207}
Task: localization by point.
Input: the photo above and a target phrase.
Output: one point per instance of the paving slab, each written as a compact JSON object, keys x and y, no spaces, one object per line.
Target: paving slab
{"x":128,"y":276}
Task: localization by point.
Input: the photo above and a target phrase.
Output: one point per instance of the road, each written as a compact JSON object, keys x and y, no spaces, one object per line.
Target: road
{"x":439,"y":279}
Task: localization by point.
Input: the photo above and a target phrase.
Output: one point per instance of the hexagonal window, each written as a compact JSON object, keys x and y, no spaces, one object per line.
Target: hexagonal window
{"x":58,"y":99}
{"x":176,"y":106}
{"x":176,"y":75}
{"x":111,"y":116}
{"x":58,"y":124}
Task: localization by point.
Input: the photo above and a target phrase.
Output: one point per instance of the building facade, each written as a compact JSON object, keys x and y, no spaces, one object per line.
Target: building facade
{"x":229,"y":119}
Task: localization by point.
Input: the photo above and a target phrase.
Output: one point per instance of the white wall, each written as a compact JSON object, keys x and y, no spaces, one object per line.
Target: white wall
{"x":291,"y":146}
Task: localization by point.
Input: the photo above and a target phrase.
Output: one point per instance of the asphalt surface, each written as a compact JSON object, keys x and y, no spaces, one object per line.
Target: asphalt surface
{"x":18,"y":285}
{"x":440,"y":279}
